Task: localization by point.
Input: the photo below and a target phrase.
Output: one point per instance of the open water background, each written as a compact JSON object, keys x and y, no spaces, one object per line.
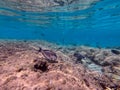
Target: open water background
{"x":96,"y":25}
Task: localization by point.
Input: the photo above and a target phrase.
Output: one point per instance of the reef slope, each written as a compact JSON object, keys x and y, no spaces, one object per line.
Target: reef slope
{"x":22,"y":67}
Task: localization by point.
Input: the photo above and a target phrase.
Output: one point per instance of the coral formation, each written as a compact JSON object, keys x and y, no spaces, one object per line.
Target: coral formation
{"x":23,"y":68}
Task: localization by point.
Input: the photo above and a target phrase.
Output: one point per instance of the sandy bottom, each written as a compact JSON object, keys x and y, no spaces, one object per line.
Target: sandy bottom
{"x":22,"y":67}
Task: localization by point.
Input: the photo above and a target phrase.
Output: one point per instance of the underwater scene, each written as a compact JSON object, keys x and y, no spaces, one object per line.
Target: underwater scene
{"x":69,"y":22}
{"x":59,"y":44}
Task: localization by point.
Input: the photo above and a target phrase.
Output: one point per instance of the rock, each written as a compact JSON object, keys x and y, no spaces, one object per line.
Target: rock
{"x":112,"y":60}
{"x":112,"y":69}
{"x":40,"y":65}
{"x":78,"y":56}
{"x":28,"y":70}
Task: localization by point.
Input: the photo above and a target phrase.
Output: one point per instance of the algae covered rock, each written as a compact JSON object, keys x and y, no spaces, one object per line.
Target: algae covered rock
{"x":29,"y":70}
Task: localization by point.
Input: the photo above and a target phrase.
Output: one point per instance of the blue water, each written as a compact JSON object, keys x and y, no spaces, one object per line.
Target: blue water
{"x":96,"y":25}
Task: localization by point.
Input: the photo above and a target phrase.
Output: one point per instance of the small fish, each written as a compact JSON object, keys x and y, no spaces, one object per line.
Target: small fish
{"x":115,"y":51}
{"x":49,"y":55}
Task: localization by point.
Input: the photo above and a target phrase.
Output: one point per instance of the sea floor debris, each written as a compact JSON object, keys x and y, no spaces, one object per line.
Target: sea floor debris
{"x":23,"y":68}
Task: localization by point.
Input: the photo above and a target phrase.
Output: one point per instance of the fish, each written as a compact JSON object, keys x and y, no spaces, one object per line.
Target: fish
{"x":48,"y":54}
{"x":115,"y":51}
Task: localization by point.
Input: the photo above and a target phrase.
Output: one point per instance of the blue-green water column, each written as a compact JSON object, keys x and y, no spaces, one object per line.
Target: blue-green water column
{"x":98,"y":25}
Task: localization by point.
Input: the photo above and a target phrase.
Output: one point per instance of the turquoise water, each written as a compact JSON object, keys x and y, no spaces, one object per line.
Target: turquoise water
{"x":98,"y":24}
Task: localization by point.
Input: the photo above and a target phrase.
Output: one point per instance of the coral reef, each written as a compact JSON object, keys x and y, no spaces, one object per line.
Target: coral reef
{"x":22,"y":67}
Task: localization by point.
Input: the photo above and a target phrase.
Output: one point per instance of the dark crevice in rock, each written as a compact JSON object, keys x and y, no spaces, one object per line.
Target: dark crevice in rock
{"x":95,"y":62}
{"x":78,"y":57}
{"x":103,"y":85}
{"x":41,"y":65}
{"x":86,"y":82}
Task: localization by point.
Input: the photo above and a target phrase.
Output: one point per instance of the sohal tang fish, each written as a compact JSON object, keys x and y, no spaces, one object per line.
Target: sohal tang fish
{"x":49,"y":55}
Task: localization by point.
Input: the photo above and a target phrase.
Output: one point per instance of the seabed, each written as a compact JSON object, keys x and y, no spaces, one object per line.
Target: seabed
{"x":23,"y":67}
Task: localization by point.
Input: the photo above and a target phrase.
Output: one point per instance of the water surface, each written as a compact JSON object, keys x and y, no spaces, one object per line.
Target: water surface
{"x":96,"y":23}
